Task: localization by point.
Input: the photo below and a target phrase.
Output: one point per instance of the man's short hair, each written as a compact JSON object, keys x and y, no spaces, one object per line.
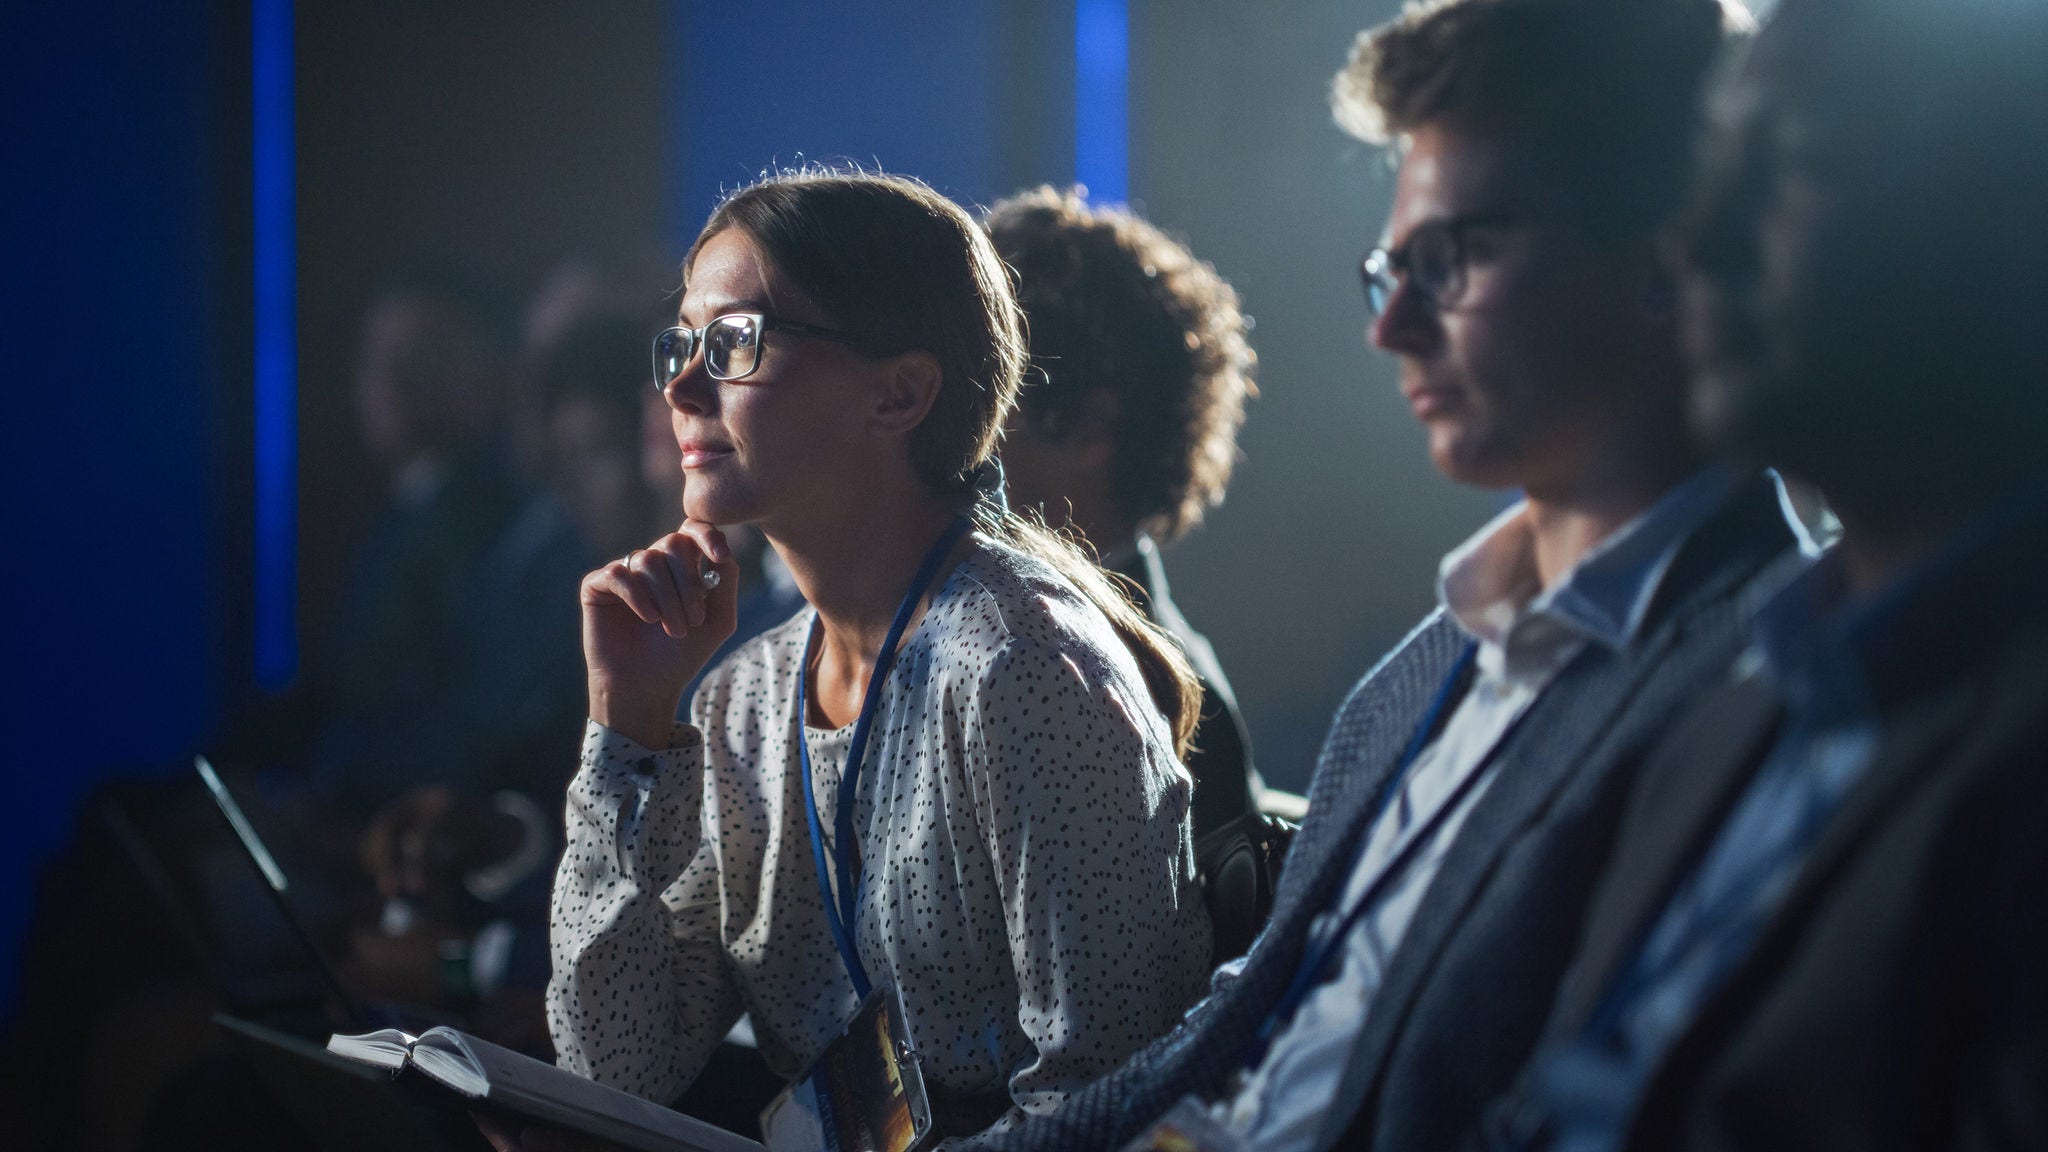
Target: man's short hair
{"x":1609,"y":89}
{"x":1113,"y":303}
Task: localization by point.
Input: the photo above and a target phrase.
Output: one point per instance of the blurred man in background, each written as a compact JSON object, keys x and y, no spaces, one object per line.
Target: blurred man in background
{"x":1127,"y":429}
{"x":470,"y":844}
{"x":433,"y":403}
{"x":1822,"y":926}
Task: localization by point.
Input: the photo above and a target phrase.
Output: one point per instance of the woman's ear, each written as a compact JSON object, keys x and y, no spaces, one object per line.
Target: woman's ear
{"x":907,"y":388}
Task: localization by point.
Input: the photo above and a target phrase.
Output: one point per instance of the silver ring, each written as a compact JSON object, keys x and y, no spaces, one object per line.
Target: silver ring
{"x":627,"y":559}
{"x":710,"y":578}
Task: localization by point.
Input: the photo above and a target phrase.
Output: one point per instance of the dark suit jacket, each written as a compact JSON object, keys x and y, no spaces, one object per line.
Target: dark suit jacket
{"x":1899,"y":997}
{"x":1458,"y":1010}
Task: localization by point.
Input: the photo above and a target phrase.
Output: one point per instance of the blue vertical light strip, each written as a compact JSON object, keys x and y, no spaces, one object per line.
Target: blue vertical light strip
{"x":1102,"y":65}
{"x":276,"y":318}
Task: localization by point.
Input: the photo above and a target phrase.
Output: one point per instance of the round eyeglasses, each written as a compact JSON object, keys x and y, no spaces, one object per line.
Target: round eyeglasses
{"x":731,"y":344}
{"x":1432,"y":260}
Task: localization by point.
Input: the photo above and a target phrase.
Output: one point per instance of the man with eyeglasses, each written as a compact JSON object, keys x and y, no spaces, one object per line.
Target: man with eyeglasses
{"x":1467,"y":788}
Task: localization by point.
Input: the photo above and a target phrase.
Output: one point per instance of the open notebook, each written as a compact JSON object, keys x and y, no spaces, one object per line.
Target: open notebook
{"x":480,"y":1072}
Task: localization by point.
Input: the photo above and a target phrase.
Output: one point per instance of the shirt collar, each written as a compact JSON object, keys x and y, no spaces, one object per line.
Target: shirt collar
{"x":1489,"y":586}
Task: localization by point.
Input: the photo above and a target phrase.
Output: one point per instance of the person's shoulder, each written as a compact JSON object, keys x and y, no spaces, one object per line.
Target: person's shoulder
{"x":2006,"y":703}
{"x":1004,"y":604}
{"x":1031,"y":651}
{"x":1396,"y":690}
{"x":1002,"y":593}
{"x":1423,"y":655}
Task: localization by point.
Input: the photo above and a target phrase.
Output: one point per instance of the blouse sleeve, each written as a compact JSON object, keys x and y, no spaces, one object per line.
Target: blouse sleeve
{"x":1085,"y":813}
{"x":640,"y":995}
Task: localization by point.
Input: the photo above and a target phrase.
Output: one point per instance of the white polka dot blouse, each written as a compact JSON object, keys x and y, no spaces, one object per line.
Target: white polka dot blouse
{"x":1027,"y":877}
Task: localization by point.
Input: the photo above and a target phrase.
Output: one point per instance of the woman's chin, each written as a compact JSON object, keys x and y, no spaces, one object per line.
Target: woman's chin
{"x":723,"y":513}
{"x":727,"y":513}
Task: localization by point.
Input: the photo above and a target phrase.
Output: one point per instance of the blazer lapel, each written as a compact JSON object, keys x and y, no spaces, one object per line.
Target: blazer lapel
{"x":1549,"y":749}
{"x":1541,"y":757}
{"x":1362,"y":750}
{"x":1680,"y":801}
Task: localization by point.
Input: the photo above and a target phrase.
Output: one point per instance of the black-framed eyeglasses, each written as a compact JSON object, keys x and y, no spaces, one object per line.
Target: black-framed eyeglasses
{"x":731,"y":344}
{"x":1432,"y":260}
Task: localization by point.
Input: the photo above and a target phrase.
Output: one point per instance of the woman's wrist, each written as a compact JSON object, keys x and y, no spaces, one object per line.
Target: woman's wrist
{"x":648,"y":723}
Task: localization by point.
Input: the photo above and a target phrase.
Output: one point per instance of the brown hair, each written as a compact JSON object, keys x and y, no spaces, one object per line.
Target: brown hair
{"x":887,"y":257}
{"x":1610,"y":88}
{"x":1114,"y":303}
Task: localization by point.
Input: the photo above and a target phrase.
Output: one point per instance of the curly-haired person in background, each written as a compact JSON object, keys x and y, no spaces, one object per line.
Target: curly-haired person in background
{"x":1126,"y":431}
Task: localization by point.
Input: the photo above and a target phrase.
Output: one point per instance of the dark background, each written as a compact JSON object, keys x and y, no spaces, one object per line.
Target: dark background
{"x":477,"y":146}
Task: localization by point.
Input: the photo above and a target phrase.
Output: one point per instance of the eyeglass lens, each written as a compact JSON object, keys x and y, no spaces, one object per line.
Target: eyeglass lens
{"x":1377,"y":271}
{"x":732,"y":349}
{"x":1435,"y":265}
{"x":1430,"y":260}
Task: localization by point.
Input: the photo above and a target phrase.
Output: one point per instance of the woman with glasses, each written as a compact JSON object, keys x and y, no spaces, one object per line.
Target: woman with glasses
{"x":954,"y":777}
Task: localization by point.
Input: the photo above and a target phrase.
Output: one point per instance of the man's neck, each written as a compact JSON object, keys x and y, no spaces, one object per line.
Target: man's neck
{"x":1567,"y":523}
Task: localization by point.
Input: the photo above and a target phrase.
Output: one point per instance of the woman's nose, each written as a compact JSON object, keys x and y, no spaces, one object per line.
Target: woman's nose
{"x":691,"y":389}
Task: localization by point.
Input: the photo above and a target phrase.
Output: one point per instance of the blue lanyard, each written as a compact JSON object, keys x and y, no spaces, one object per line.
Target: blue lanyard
{"x":840,"y":913}
{"x":1319,"y":952}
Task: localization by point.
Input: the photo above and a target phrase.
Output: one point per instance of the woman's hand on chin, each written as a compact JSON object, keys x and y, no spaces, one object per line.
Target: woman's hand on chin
{"x":650,"y":624}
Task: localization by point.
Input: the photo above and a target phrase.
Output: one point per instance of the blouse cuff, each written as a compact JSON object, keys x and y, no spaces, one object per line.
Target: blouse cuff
{"x":642,"y":803}
{"x":613,"y":751}
{"x":612,"y":757}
